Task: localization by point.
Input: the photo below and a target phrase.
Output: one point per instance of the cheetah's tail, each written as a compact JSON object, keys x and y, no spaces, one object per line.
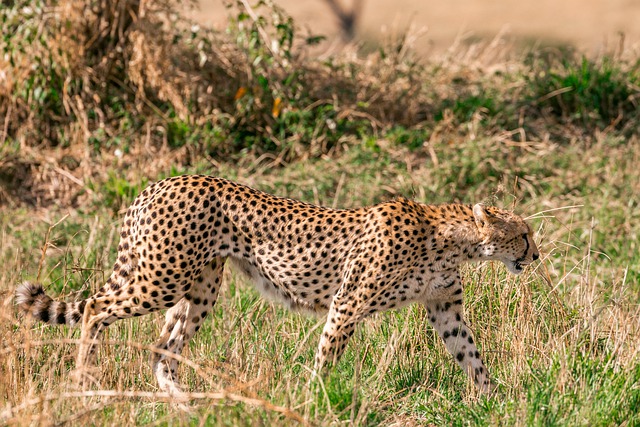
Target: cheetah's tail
{"x":32,"y":300}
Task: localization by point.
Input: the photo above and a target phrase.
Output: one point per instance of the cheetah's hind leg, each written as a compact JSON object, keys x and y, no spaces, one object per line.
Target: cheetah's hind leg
{"x":134,"y":297}
{"x":182,"y":322}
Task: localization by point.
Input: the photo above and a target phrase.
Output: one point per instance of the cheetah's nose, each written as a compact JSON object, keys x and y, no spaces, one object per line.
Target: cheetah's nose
{"x":535,"y":256}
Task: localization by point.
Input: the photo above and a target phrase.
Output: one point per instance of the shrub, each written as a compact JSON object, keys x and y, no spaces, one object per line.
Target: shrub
{"x":592,"y":93}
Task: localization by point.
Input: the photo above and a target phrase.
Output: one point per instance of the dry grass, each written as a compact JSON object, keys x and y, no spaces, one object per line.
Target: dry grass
{"x":563,"y":336}
{"x":138,"y":103}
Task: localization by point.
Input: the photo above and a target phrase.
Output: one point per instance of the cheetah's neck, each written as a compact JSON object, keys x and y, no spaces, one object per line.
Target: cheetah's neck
{"x":456,"y":232}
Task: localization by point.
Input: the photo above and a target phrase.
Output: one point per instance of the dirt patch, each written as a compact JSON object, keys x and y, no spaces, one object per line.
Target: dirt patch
{"x":591,"y":25}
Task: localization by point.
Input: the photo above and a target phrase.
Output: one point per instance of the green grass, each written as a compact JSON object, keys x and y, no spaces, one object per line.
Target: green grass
{"x":561,"y":342}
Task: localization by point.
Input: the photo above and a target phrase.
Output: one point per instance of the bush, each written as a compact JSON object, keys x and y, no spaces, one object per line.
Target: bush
{"x":104,"y":73}
{"x":592,"y":93}
{"x":99,"y":63}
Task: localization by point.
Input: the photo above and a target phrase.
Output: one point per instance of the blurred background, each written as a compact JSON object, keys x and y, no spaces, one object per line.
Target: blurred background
{"x":590,"y":25}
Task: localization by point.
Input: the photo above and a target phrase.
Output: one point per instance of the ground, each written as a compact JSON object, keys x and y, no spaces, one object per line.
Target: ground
{"x":591,"y":25}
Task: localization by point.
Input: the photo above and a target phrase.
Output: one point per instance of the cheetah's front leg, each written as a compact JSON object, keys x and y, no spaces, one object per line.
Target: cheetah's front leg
{"x":446,"y":318}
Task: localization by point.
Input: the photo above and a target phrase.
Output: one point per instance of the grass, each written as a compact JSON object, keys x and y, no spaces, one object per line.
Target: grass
{"x":561,"y":340}
{"x":552,"y":135}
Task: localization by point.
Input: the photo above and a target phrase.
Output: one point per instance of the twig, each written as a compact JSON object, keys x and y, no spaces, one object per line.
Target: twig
{"x":263,"y":34}
{"x":45,"y":245}
{"x":73,"y":179}
{"x":5,"y":130}
{"x":555,"y":93}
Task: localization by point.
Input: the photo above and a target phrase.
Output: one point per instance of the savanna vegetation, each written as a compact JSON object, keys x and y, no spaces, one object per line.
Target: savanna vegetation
{"x":100,"y":97}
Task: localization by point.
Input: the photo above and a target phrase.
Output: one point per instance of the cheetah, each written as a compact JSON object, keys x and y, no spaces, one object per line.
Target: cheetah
{"x":349,"y":264}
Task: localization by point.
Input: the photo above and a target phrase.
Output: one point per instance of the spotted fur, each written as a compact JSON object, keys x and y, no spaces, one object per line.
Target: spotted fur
{"x":179,"y":232}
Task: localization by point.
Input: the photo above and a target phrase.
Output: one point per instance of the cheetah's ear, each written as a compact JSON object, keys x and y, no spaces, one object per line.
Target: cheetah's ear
{"x":482,"y":216}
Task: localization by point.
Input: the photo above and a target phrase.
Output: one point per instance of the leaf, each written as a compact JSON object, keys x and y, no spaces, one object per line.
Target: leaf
{"x":242,"y":91}
{"x":277,"y":107}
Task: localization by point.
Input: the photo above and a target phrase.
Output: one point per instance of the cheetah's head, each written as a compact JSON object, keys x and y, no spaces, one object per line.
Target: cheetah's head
{"x":505,"y":237}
